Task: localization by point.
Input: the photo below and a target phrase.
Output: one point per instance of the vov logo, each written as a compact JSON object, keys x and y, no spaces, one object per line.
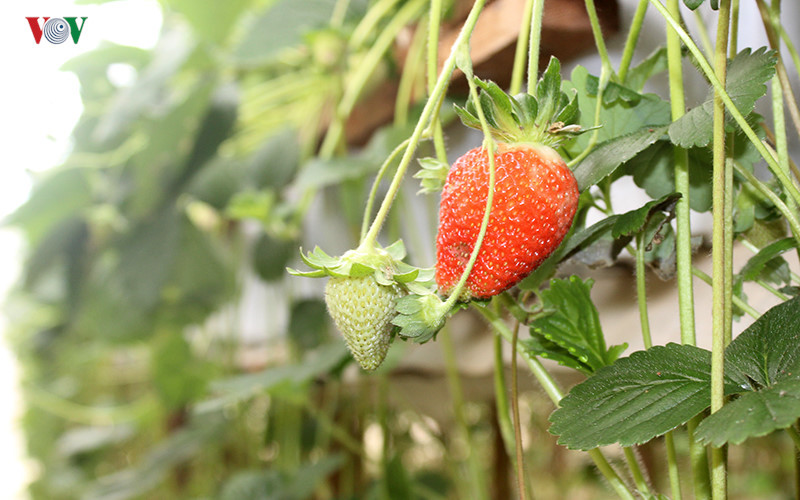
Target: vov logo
{"x":56,"y":30}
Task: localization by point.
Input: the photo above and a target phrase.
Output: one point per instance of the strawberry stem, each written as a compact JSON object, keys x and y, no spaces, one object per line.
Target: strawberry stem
{"x":489,"y":146}
{"x":432,"y":104}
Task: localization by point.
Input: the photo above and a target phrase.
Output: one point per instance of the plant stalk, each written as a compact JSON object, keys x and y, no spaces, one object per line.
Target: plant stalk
{"x":722,"y":239}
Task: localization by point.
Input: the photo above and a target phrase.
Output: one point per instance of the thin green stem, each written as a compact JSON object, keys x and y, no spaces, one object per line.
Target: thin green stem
{"x":534,"y":45}
{"x":702,"y":30}
{"x":489,"y":147}
{"x":597,"y":32}
{"x":555,"y":393}
{"x":744,"y":306}
{"x":501,"y":398}
{"x":790,"y":47}
{"x":376,"y":183}
{"x":369,"y":23}
{"x":672,"y":467}
{"x":410,"y":75}
{"x":339,"y":13}
{"x":359,"y":79}
{"x":641,"y":292}
{"x":682,"y":209}
{"x":433,"y":104}
{"x":771,"y":289}
{"x":605,"y":75}
{"x":633,"y":38}
{"x":520,"y":461}
{"x":697,"y":454}
{"x":733,"y":39}
{"x":434,"y":26}
{"x":476,"y":474}
{"x":722,"y":237}
{"x":517,"y":71}
{"x":764,"y":190}
{"x":771,"y":17}
{"x":636,"y":471}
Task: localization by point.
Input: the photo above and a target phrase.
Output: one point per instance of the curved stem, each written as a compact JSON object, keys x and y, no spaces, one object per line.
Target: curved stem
{"x":744,"y":306}
{"x":374,"y":190}
{"x":488,"y":146}
{"x":555,"y":393}
{"x":434,"y":102}
{"x":636,"y":471}
{"x":633,"y":38}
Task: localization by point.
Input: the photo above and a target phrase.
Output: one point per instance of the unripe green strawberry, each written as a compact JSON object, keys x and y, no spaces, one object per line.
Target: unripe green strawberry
{"x":535,"y":193}
{"x":363,"y":311}
{"x":535,"y":200}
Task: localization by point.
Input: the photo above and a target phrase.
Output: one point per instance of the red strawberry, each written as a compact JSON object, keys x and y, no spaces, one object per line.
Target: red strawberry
{"x":535,"y":198}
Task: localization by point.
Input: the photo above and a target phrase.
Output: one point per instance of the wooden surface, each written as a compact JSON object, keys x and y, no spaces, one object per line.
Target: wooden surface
{"x":566,"y":34}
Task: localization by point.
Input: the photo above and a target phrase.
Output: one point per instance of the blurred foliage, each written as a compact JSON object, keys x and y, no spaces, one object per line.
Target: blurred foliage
{"x":197,"y":183}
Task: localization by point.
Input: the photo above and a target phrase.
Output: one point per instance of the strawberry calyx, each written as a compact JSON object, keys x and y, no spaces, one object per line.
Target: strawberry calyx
{"x":384,"y":264}
{"x":544,"y":119}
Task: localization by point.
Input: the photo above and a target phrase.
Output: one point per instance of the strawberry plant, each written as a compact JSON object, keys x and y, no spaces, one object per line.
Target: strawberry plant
{"x":184,"y":209}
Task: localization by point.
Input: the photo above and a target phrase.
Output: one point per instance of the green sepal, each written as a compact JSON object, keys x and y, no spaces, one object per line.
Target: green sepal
{"x":432,"y":175}
{"x":420,"y":316}
{"x":544,"y":118}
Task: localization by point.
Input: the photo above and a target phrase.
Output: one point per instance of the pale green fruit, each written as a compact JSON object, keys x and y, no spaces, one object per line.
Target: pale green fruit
{"x":363,"y":311}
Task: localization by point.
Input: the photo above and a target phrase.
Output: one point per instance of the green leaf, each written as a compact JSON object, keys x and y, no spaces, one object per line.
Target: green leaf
{"x":275,"y":163}
{"x":173,"y":49}
{"x":767,"y":263}
{"x":270,"y":33}
{"x":217,"y":182}
{"x":606,"y":157}
{"x":752,"y":414}
{"x":747,"y":74}
{"x":767,"y":351}
{"x":420,"y":317}
{"x":397,"y":482}
{"x":635,"y":221}
{"x":178,"y":376}
{"x":571,"y":321}
{"x":612,"y":92}
{"x":308,"y":324}
{"x":215,"y":127}
{"x":297,"y":484}
{"x":548,"y":92}
{"x":57,"y":196}
{"x":177,"y":448}
{"x":654,"y":171}
{"x":637,"y":398}
{"x":271,"y":255}
{"x":211,"y":22}
{"x":616,"y":119}
{"x":652,"y":65}
{"x":764,"y":361}
{"x":283,"y":380}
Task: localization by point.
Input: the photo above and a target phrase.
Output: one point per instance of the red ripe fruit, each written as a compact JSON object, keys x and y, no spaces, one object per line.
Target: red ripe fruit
{"x":535,"y":200}
{"x":535,"y":193}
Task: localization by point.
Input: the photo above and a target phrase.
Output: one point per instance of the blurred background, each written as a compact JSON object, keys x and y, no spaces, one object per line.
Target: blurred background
{"x":160,"y":175}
